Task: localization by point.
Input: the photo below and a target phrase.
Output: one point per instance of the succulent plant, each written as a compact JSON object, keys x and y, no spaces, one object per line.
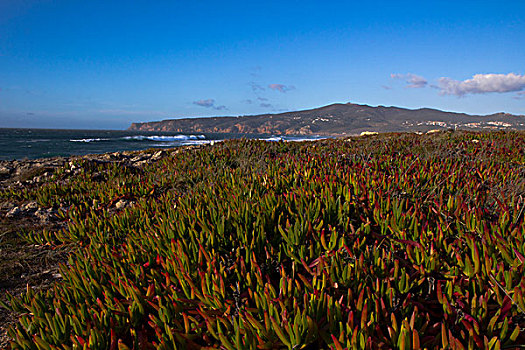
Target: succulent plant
{"x":391,"y":241}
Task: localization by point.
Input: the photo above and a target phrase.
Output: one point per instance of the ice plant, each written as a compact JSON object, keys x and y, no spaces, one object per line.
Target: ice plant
{"x":390,"y":241}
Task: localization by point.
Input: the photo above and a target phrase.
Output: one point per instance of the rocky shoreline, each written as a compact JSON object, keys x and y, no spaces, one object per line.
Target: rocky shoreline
{"x":18,"y":174}
{"x":23,"y":264}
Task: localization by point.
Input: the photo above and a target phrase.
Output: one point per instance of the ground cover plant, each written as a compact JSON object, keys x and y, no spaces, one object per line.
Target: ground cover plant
{"x":390,"y":241}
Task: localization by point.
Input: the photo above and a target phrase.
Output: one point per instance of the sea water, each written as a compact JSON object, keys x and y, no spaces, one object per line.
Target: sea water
{"x":45,"y":143}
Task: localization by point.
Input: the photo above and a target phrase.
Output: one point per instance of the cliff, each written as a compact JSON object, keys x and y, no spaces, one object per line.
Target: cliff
{"x":338,"y":120}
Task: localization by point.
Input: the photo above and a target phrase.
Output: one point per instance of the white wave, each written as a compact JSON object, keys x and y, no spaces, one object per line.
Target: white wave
{"x":200,"y":142}
{"x":187,"y":143}
{"x":162,"y":138}
{"x":88,"y":140}
{"x":291,"y":138}
{"x":273,"y":139}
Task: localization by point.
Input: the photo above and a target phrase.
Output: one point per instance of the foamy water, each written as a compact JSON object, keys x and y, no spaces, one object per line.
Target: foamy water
{"x":42,"y":143}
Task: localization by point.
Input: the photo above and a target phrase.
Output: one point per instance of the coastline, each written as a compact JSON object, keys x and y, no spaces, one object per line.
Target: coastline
{"x":22,"y":263}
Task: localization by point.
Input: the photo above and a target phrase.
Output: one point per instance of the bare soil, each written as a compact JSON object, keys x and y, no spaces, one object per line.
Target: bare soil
{"x":23,"y":264}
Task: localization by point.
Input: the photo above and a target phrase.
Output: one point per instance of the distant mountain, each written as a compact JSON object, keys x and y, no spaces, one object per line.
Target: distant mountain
{"x":338,"y":120}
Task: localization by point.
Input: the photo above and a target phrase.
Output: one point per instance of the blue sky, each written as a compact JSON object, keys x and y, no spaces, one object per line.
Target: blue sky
{"x":105,"y":64}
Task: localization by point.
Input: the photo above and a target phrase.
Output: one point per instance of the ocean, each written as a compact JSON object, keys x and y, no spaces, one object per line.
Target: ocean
{"x":45,"y":143}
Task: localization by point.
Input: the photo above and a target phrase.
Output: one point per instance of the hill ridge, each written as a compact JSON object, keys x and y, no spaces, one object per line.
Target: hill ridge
{"x":338,"y":119}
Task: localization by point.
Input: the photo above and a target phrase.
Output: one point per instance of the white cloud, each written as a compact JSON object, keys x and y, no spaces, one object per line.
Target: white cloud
{"x":413,"y":81}
{"x":482,"y":84}
{"x":209,"y":103}
{"x":205,"y":103}
{"x":281,"y":87}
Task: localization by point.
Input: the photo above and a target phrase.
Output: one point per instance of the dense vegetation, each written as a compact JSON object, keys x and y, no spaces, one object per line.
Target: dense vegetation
{"x":391,"y":241}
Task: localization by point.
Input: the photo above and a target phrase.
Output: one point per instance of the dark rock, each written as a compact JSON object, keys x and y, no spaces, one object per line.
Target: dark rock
{"x":13,"y":212}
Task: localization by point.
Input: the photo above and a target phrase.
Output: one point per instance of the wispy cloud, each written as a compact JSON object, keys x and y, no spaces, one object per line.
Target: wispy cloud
{"x":413,"y":81}
{"x":281,"y":87}
{"x":256,"y":87}
{"x":209,"y":103}
{"x":520,"y":95}
{"x":205,"y":103}
{"x":255,"y":71}
{"x":482,"y":84}
{"x":21,"y":89}
{"x":386,"y":87}
{"x":258,"y":98}
{"x":266,"y":105}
